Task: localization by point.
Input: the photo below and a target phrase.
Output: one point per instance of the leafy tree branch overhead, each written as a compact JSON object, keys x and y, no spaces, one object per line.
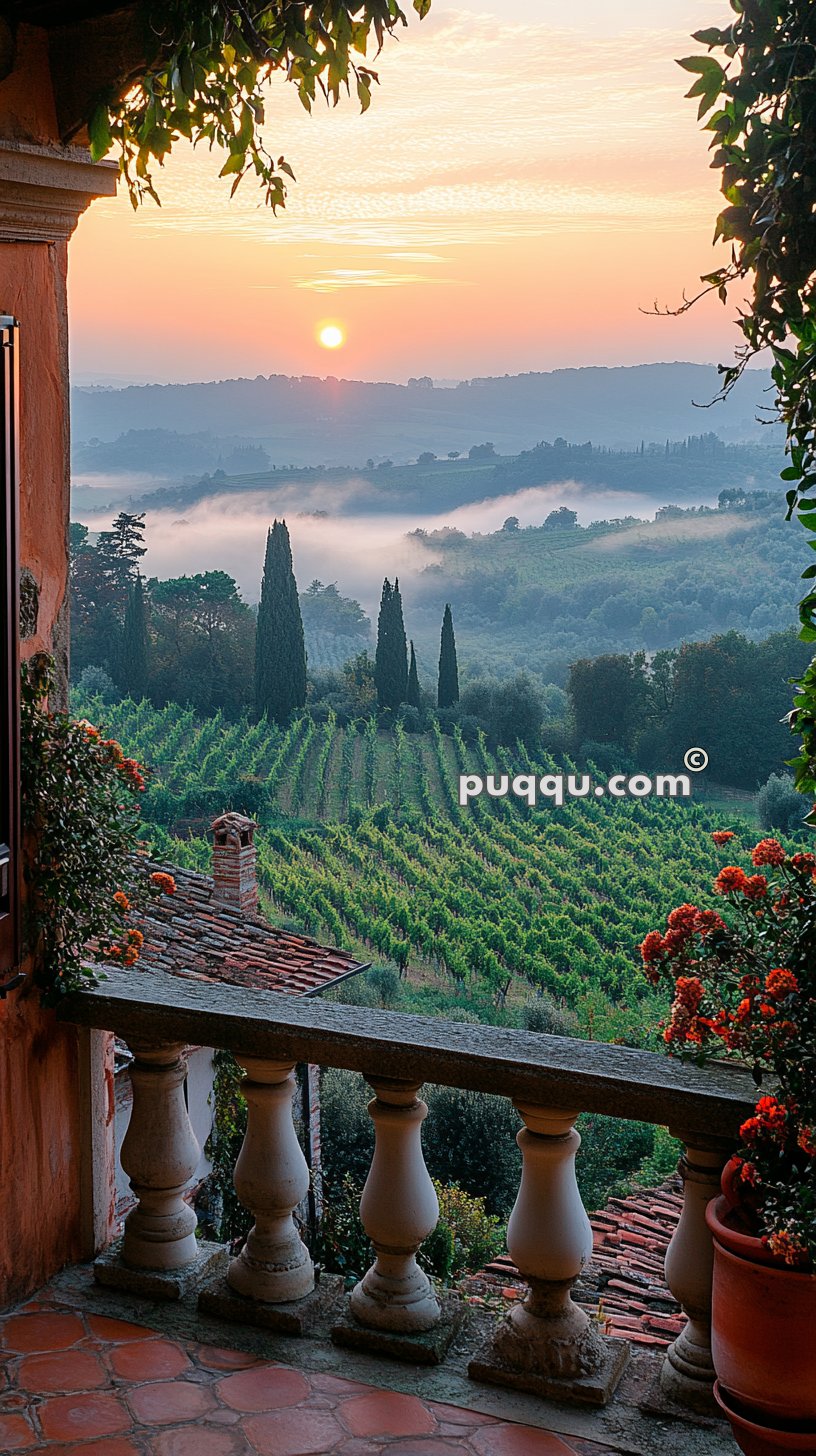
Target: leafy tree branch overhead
{"x":757,"y":93}
{"x":206,"y":65}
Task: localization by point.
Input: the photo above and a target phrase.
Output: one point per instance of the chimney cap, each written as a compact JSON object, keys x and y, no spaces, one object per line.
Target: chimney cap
{"x":233,"y":827}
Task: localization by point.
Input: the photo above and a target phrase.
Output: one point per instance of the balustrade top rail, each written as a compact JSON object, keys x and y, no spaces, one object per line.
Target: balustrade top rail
{"x":148,"y":1008}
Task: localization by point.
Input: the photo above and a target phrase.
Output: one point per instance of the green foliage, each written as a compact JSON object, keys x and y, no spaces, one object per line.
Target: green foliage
{"x":661,"y":1162}
{"x":448,"y":682}
{"x":728,"y":695}
{"x":347,"y":1133}
{"x":224,"y":1217}
{"x":465,"y":1239}
{"x":280,"y":652}
{"x":470,"y":1139}
{"x":758,"y":105}
{"x":384,"y":981}
{"x":780,"y":805}
{"x":341,"y":1244}
{"x":611,"y":1149}
{"x":546,"y":1016}
{"x":81,"y":822}
{"x":204,"y":76}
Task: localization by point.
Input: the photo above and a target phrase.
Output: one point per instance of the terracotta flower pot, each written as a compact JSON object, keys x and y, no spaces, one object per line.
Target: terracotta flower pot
{"x":763,"y":1321}
{"x":759,"y":1440}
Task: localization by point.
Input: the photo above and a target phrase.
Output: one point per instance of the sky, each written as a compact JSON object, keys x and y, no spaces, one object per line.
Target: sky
{"x":528,"y":180}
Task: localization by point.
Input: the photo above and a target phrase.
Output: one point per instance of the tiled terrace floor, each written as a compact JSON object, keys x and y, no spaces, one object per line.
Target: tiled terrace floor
{"x":75,"y":1382}
{"x":88,"y":1370}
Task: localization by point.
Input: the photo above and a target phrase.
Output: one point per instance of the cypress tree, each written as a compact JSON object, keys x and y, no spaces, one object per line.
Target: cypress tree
{"x":448,"y":689}
{"x":413,"y":695}
{"x":135,"y":646}
{"x":280,"y":650}
{"x":381,"y":676}
{"x":391,"y":658}
{"x":400,"y":649}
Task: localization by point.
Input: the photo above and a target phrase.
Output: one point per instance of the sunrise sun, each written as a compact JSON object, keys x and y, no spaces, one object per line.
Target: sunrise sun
{"x":331,"y":336}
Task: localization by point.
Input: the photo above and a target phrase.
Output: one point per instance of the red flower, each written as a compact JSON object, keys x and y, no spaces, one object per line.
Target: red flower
{"x":730,"y":879}
{"x":780,"y":984}
{"x":683,"y":919}
{"x":163,"y":882}
{"x":768,"y":852}
{"x":651,"y":950}
{"x":787,"y":1246}
{"x":807,"y":1141}
{"x":755,"y":887}
{"x":707,"y":920}
{"x":689,"y":992}
{"x":722,"y":836}
{"x":122,"y":900}
{"x":750,"y":1174}
{"x":805,"y":863}
{"x":674,"y":942}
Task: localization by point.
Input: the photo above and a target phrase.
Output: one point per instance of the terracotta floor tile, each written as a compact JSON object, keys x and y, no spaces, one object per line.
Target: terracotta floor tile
{"x":66,"y":1370}
{"x":149,"y":1360}
{"x":168,"y":1402}
{"x":198,"y":1441}
{"x":27,"y":1332}
{"x":430,"y":1446}
{"x":268,"y":1387}
{"x":293,"y":1433}
{"x":114,"y":1446}
{"x":335,"y":1385}
{"x":114,"y":1331}
{"x":386,"y":1413}
{"x":457,"y":1415}
{"x":212,"y":1357}
{"x":77,"y":1417}
{"x":15,"y":1433}
{"x":505,"y":1440}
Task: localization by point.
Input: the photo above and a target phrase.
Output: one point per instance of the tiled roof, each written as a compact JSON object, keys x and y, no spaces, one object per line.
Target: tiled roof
{"x":190,"y":934}
{"x":625,"y":1275}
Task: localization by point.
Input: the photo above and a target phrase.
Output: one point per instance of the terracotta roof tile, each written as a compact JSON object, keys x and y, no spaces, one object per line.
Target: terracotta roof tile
{"x":197,"y":938}
{"x":625,"y":1276}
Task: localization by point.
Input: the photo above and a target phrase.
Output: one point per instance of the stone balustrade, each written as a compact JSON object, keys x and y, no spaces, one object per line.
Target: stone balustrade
{"x":547,"y":1343}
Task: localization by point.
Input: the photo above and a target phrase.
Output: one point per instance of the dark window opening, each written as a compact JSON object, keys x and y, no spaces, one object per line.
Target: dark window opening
{"x":9,"y":648}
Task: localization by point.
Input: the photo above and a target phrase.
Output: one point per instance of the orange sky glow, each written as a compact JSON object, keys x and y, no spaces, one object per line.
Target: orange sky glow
{"x":519,"y":190}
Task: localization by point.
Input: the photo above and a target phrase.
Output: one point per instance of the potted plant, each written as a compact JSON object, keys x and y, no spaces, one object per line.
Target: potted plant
{"x":743,"y":986}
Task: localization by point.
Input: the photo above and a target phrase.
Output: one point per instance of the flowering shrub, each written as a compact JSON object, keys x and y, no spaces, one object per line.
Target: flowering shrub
{"x":83,"y":874}
{"x":744,"y":985}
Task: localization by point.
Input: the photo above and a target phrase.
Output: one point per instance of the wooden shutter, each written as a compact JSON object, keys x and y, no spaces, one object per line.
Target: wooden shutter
{"x":9,"y":649}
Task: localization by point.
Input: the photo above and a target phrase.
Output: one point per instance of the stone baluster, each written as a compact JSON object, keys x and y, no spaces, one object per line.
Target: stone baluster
{"x":399,"y":1209}
{"x":271,"y":1178}
{"x":160,"y":1155}
{"x":687,"y":1375}
{"x":547,"y":1343}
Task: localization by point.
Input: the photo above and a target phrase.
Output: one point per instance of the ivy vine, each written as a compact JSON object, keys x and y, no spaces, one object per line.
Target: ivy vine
{"x":757,"y":93}
{"x":206,"y":65}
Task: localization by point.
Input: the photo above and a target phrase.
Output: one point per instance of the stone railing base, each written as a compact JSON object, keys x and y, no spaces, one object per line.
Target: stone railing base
{"x":426,"y":1347}
{"x":109,"y":1268}
{"x":304,"y":1316}
{"x":495,"y":1364}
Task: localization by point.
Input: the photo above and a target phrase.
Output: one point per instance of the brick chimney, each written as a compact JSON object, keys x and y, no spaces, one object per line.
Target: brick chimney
{"x":233,"y":862}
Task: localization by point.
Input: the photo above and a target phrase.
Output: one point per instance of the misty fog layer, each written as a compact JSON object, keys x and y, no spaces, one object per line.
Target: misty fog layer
{"x":355,"y":549}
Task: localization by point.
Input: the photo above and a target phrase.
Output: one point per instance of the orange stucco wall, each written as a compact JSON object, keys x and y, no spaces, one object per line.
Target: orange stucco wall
{"x":40,"y":1164}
